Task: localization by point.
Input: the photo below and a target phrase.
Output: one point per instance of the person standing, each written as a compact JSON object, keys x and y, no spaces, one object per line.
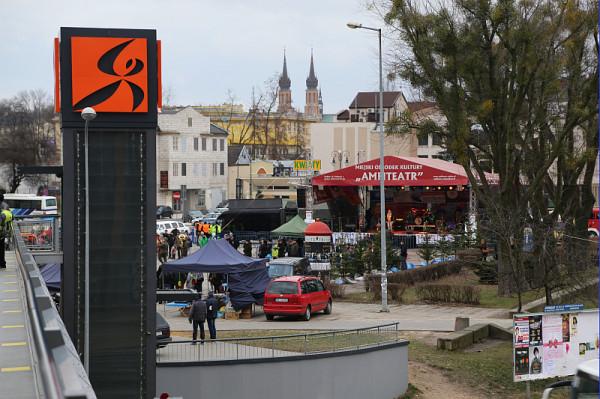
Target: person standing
{"x":196,"y":318}
{"x":403,"y":255}
{"x":203,"y":240}
{"x":247,"y":248}
{"x":211,"y":314}
{"x":5,"y":231}
{"x":163,"y":249}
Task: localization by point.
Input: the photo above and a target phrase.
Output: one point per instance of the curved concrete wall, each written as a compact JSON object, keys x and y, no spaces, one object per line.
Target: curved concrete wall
{"x":374,"y":373}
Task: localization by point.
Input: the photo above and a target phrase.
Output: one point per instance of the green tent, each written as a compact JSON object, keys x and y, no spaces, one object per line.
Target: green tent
{"x":294,"y":228}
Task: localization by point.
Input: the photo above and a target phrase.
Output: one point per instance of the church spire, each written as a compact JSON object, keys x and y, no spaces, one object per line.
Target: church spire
{"x":284,"y":80}
{"x":312,"y":82}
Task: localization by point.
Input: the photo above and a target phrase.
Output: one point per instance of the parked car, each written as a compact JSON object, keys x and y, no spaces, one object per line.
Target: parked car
{"x":583,"y":386}
{"x":163,"y":211}
{"x":211,"y":218}
{"x":296,"y":296}
{"x":288,"y":266}
{"x":163,"y":331}
{"x":166,"y":226}
{"x":192,"y":216}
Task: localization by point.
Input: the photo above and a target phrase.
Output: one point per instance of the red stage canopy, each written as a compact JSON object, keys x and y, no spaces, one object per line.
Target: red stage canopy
{"x":399,"y":171}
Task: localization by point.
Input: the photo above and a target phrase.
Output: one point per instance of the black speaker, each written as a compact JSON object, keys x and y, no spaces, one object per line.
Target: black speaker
{"x":301,"y":197}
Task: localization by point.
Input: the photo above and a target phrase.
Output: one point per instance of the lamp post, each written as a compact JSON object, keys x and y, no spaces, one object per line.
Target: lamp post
{"x":340,"y":156}
{"x":87,"y":114}
{"x":384,"y":305}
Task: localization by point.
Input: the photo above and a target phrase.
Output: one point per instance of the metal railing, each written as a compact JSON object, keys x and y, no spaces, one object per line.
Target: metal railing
{"x":60,"y":371}
{"x":278,"y":346}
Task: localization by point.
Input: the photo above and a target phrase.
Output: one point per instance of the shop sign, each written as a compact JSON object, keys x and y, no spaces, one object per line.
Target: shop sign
{"x":303,"y":164}
{"x":317,"y":239}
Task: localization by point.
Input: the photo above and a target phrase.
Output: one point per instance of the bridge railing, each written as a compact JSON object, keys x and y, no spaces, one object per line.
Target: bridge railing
{"x":278,"y":346}
{"x":59,"y":368}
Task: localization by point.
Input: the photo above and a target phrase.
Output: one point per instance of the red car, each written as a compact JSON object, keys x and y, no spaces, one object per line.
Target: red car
{"x":296,"y":296}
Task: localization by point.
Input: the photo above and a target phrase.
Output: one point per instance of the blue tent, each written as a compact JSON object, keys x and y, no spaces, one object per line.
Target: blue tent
{"x":247,"y":277}
{"x":51,"y":274}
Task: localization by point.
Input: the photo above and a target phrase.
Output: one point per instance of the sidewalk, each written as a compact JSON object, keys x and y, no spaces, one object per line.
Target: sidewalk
{"x":347,"y":315}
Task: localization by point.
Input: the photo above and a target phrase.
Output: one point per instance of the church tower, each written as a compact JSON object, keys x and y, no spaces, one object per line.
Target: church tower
{"x":312,"y":107}
{"x":285,"y":94}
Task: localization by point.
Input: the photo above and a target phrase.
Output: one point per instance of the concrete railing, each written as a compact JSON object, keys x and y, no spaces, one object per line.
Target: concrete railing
{"x":59,"y":367}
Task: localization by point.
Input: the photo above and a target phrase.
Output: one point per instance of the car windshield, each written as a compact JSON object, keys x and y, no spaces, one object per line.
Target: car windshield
{"x":280,"y":270}
{"x":283,"y":287}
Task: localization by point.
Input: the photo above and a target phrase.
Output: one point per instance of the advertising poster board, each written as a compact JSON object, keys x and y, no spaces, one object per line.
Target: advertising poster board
{"x":553,"y":344}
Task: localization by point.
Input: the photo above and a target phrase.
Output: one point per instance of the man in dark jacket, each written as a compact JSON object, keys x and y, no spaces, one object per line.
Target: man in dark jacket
{"x":211,"y":314}
{"x":197,"y":316}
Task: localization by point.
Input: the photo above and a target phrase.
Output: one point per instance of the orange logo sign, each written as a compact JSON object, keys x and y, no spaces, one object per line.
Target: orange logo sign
{"x":109,"y":74}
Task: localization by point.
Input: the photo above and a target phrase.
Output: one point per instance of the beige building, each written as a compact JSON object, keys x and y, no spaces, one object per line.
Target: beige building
{"x":261,"y":178}
{"x":342,"y":144}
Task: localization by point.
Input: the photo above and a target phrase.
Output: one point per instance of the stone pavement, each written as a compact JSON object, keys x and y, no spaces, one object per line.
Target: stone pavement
{"x":348,"y":315}
{"x":17,"y":379}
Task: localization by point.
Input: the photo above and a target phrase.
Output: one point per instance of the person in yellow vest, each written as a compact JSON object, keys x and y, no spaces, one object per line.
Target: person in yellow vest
{"x":219,"y":231}
{"x":213,"y":231}
{"x":275,"y":251}
{"x":6,"y":218}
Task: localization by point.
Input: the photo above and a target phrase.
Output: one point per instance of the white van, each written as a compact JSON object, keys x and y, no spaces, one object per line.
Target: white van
{"x":166,"y":226}
{"x":31,"y":204}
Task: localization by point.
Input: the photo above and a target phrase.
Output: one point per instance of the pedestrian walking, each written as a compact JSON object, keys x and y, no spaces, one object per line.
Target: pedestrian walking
{"x":211,"y":314}
{"x":196,"y":318}
{"x":171,"y":242}
{"x":163,"y":249}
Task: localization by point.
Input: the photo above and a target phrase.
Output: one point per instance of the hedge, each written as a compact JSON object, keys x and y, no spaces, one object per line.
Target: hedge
{"x":448,"y":293}
{"x":420,"y":274}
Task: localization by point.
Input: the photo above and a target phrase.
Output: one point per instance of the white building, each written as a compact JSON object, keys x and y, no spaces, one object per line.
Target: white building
{"x":191,"y":161}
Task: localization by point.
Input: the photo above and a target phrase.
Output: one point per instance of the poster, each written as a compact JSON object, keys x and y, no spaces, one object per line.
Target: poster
{"x":554,"y":343}
{"x":535,"y":330}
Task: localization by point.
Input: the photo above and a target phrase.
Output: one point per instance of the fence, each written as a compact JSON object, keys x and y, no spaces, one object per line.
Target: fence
{"x":40,"y":233}
{"x":278,"y":346}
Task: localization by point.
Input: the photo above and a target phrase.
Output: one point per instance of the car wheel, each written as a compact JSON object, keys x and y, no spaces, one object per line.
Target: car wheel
{"x":269,"y":316}
{"x":328,"y":308}
{"x":307,"y":315}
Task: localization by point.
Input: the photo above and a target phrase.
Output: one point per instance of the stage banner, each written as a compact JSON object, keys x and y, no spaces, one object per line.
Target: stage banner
{"x":398,"y":171}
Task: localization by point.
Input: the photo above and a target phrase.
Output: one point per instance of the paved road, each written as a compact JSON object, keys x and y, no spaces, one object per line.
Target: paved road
{"x":17,"y":379}
{"x":354,"y":315}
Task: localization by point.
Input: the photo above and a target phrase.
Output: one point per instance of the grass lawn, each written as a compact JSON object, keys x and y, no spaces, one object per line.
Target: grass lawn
{"x":489,"y":371}
{"x":489,"y":293}
{"x":324,"y":341}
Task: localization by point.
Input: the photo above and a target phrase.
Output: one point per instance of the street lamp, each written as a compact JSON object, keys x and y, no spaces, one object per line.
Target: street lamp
{"x":88,"y":114}
{"x":340,"y":156}
{"x":384,"y":305}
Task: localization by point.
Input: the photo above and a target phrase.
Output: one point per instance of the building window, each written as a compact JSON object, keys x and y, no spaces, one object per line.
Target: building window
{"x":214,"y":144}
{"x":222,"y":169}
{"x":222,"y":145}
{"x":422,"y":156}
{"x":175,"y":143}
{"x":201,"y":198}
{"x":189,"y":122}
{"x":436,"y":139}
{"x":203,"y":143}
{"x":183,"y":169}
{"x":214,"y":169}
{"x":423,"y":139}
{"x":175,"y":169}
{"x":164,"y":179}
{"x":195,"y":143}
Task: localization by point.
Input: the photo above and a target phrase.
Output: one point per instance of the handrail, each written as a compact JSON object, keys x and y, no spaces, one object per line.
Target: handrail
{"x":62,"y":376}
{"x":280,"y":346}
{"x":47,"y":374}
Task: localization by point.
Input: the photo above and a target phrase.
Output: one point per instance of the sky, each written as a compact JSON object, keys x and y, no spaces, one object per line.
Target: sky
{"x":209,"y":48}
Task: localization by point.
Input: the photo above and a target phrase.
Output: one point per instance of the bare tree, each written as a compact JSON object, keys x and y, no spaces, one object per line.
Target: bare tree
{"x":26,"y":134}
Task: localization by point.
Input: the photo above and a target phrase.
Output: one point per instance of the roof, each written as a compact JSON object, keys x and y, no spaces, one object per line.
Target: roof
{"x":284,"y":80}
{"x":317,"y":229}
{"x":370,"y":99}
{"x":233,"y":154}
{"x":343,"y":115}
{"x":214,"y":129}
{"x":293,"y":228}
{"x":415,"y":106}
{"x":312,"y":82}
{"x":293,"y":279}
